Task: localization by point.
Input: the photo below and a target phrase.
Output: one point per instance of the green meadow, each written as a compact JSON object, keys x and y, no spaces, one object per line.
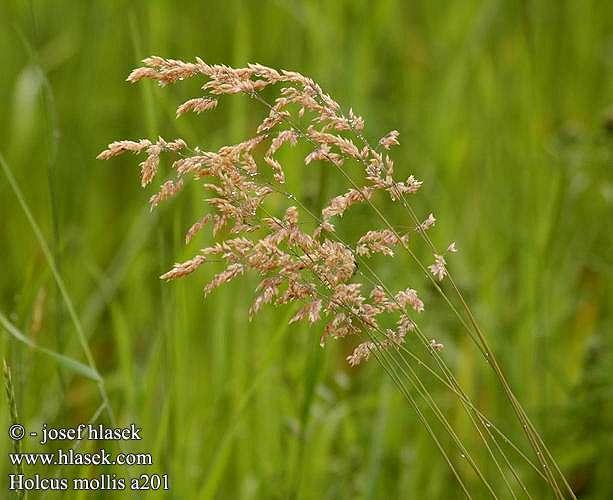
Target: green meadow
{"x":505,"y":111}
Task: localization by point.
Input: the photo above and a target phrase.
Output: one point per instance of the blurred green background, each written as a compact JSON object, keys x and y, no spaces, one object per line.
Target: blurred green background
{"x":505,"y":111}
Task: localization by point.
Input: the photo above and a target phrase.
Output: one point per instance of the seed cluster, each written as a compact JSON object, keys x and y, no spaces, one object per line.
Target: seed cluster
{"x":313,"y":268}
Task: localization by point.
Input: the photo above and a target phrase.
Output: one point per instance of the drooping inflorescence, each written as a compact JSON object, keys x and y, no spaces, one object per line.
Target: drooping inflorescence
{"x":313,"y":268}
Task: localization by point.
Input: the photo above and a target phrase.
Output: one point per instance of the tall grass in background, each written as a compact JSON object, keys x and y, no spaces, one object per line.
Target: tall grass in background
{"x":503,"y":109}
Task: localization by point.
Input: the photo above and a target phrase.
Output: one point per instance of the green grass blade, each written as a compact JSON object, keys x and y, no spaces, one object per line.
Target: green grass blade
{"x":65,"y":361}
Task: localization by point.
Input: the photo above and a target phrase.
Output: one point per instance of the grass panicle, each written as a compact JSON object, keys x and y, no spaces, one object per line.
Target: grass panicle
{"x":299,"y":256}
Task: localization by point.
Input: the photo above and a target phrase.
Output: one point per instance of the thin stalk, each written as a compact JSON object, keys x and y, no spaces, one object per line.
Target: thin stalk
{"x":14,"y":418}
{"x":424,"y":421}
{"x":60,"y":283}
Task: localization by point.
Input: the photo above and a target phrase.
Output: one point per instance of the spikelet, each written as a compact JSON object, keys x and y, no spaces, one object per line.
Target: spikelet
{"x":167,"y":190}
{"x":439,"y":268}
{"x":197,"y":106}
{"x":179,"y":270}
{"x":391,"y":139}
